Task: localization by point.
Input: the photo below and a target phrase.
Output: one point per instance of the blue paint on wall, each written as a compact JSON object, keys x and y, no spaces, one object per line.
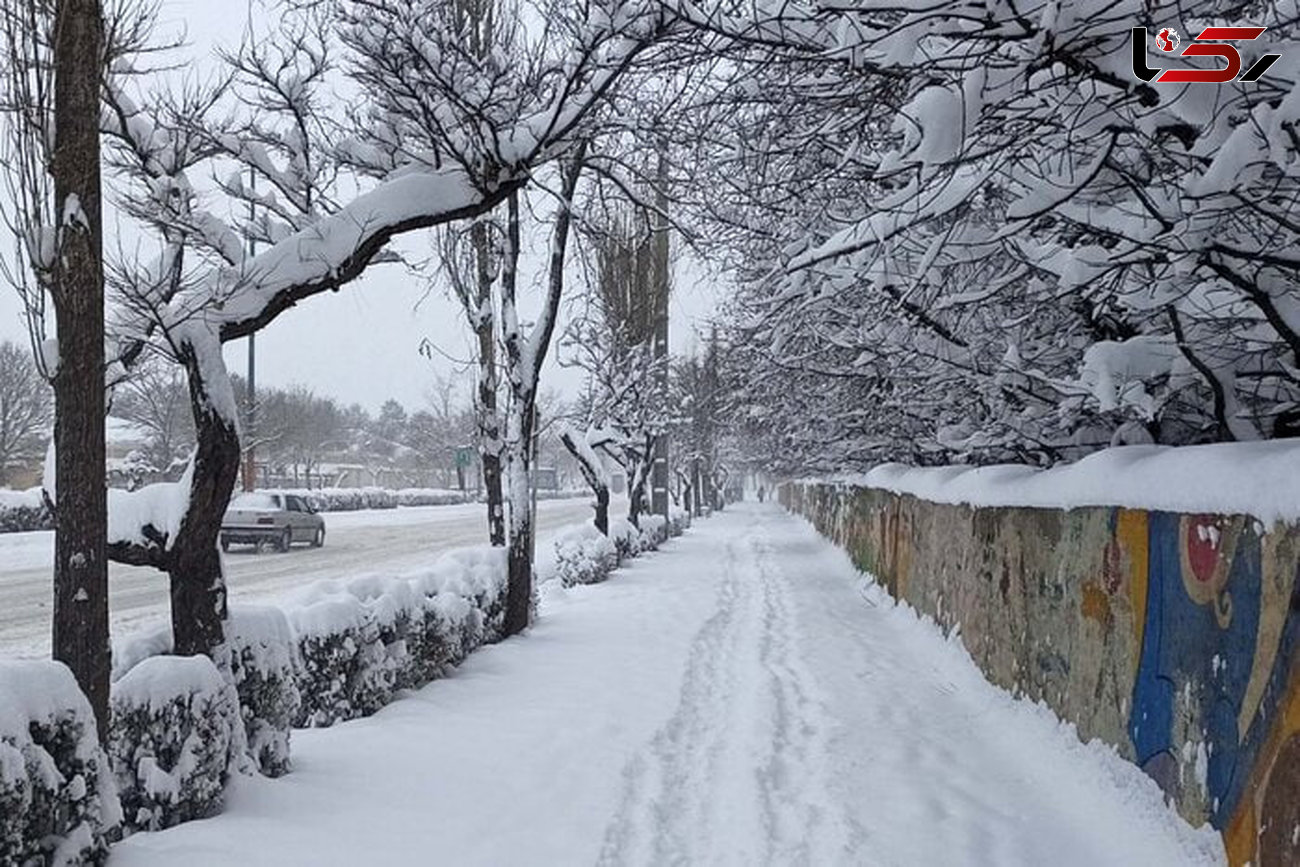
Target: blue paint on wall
{"x":1186,"y":650}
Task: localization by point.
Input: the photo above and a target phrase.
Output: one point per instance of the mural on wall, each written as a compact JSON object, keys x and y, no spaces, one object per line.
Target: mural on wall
{"x":1174,"y":637}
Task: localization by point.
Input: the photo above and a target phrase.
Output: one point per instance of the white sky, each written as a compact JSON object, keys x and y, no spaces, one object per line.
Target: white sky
{"x":362,"y":344}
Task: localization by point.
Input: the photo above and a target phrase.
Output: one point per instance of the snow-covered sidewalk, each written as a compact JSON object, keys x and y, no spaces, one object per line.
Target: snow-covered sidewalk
{"x":740,"y":697}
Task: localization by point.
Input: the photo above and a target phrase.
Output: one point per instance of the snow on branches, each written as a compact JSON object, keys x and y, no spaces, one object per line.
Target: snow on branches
{"x":997,"y":225}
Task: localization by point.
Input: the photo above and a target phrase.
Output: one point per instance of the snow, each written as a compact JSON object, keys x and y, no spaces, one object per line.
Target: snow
{"x":37,"y":690}
{"x":160,"y":505}
{"x":155,"y":682}
{"x":28,"y":499}
{"x":742,"y":697}
{"x":1113,"y":370}
{"x":1261,"y":479}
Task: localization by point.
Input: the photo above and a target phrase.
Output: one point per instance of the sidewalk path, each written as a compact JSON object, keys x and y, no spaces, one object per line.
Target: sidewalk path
{"x":742,"y":697}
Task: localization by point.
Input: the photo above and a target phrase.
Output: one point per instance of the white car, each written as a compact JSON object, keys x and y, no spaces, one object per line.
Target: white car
{"x":269,"y":516}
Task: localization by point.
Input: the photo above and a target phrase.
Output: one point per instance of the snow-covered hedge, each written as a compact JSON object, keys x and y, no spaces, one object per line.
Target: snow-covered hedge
{"x":176,"y":736}
{"x":346,"y":499}
{"x":654,"y":531}
{"x":23,"y":512}
{"x":344,"y":671}
{"x":361,"y":641}
{"x":583,"y":555}
{"x":263,"y":664}
{"x":355,"y":499}
{"x":431,"y":497}
{"x":58,"y":804}
{"x":679,"y":520}
{"x":631,"y":541}
{"x":626,"y":538}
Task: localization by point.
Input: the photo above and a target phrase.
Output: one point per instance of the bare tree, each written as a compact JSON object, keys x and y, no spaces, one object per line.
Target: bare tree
{"x":155,"y":398}
{"x":26,"y":409}
{"x":624,"y":409}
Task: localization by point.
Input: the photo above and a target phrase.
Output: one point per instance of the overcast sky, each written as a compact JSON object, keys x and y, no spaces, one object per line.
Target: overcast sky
{"x":362,"y":344}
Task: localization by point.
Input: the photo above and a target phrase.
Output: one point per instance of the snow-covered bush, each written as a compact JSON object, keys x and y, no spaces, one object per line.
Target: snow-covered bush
{"x":264,"y":667}
{"x":344,"y":673}
{"x":175,"y":737}
{"x":654,"y":531}
{"x":355,"y":499}
{"x":583,"y":555}
{"x":435,"y":639}
{"x":430,"y":497}
{"x":679,"y":520}
{"x":262,"y":663}
{"x":626,"y":538}
{"x":346,"y":499}
{"x":479,"y":575}
{"x":453,"y":628}
{"x":24,"y":512}
{"x":392,"y":607}
{"x":58,"y":804}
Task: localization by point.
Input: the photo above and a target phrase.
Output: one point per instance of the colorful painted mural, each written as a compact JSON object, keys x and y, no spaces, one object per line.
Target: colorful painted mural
{"x":1175,"y":638}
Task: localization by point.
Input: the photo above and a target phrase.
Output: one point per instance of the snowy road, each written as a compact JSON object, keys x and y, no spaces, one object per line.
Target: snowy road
{"x":738,"y":698}
{"x":356,"y":543}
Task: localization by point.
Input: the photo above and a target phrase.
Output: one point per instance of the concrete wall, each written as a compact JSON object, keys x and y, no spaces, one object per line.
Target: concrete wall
{"x":1175,"y":638}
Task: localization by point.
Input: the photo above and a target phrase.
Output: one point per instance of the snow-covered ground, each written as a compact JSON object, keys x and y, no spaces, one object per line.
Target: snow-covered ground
{"x":741,"y":697}
{"x":357,"y":543}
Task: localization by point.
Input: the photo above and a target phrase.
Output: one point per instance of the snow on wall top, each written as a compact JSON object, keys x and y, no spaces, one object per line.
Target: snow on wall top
{"x":1261,"y":479}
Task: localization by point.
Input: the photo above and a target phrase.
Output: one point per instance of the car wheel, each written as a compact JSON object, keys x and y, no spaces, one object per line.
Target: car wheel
{"x":319,"y":539}
{"x":225,"y":546}
{"x":286,"y":539}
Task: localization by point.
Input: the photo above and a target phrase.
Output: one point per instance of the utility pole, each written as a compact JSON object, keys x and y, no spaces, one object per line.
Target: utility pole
{"x":659,"y":470}
{"x":250,"y":435}
{"x":250,"y":456}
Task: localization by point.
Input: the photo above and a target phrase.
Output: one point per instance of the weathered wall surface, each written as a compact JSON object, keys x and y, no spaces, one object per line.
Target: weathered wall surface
{"x":1174,"y":637}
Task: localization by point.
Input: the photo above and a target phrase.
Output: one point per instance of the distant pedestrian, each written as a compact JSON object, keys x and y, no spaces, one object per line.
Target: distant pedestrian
{"x":761,"y":491}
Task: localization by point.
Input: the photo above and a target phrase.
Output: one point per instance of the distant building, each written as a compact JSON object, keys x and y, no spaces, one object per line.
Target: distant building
{"x":546,"y":479}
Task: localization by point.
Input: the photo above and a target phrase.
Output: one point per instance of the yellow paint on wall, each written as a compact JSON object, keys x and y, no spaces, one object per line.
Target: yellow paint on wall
{"x":1095,"y":604}
{"x":1276,"y":581}
{"x":1241,"y":835}
{"x":1131,"y":531}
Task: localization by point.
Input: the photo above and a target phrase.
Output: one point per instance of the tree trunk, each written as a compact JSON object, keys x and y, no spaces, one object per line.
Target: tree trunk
{"x":697,"y":486}
{"x":519,"y":569}
{"x":524,"y":359}
{"x":592,"y":474}
{"x":80,"y":639}
{"x":635,"y":494}
{"x":519,"y":593}
{"x":198,"y":587}
{"x":489,"y":423}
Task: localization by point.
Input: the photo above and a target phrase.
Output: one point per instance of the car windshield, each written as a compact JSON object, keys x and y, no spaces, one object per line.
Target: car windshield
{"x":255,"y":501}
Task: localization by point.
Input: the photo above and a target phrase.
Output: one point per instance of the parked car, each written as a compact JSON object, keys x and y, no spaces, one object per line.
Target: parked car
{"x":267,"y":516}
